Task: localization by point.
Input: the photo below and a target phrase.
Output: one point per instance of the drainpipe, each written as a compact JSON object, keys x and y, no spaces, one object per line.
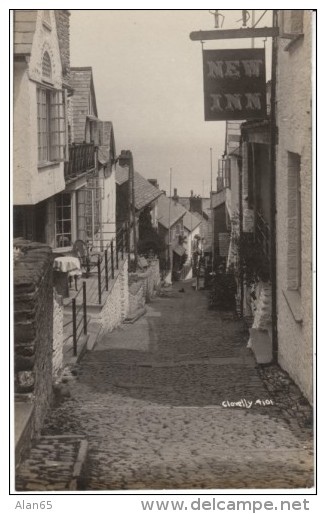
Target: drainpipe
{"x":274,"y":141}
{"x":241,"y":233}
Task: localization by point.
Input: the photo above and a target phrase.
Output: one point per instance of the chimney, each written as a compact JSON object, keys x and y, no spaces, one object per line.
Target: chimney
{"x":175,"y":195}
{"x":62,"y":18}
{"x":219,"y":184}
{"x":192,"y":193}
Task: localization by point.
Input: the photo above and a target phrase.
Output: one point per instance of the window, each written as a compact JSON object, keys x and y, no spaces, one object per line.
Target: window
{"x":224,"y":171}
{"x":63,"y":220}
{"x":89,"y":209}
{"x":46,"y":66}
{"x":93,"y":207}
{"x":294,"y":222}
{"x":51,"y":125}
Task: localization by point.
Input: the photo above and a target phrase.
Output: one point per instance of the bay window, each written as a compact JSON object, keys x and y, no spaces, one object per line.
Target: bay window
{"x":51,"y":125}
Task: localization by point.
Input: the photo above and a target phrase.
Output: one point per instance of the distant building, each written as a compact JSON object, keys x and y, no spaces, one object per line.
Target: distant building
{"x":146,"y":198}
{"x":171,"y":230}
{"x":201,"y":208}
{"x":191,"y":225}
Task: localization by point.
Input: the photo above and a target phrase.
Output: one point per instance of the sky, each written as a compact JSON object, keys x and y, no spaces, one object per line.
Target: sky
{"x":148,"y":82}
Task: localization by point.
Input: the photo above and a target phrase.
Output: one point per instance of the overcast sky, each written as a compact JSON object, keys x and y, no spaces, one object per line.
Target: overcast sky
{"x":148,"y":82}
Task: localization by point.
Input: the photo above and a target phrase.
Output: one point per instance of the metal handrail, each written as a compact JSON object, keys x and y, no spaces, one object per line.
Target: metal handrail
{"x":113,"y":254}
{"x":78,"y":318}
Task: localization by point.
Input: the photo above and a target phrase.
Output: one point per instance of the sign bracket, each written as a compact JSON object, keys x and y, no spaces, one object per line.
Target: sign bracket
{"x":205,"y":35}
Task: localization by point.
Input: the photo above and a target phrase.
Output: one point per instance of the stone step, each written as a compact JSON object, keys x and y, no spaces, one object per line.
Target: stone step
{"x":54,"y":463}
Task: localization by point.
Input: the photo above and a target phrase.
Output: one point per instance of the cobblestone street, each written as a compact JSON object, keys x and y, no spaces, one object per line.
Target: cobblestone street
{"x":155,"y":400}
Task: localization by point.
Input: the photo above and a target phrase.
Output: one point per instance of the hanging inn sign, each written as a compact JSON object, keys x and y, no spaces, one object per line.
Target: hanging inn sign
{"x":234,"y":84}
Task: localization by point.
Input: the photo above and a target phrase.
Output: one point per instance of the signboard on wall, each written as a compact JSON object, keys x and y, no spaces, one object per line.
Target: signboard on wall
{"x":234,"y":84}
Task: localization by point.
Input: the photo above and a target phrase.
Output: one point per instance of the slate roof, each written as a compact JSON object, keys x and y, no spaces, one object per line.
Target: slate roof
{"x":166,"y":214}
{"x":190,"y":222}
{"x":184,"y":200}
{"x":24,"y":29}
{"x":145,"y":193}
{"x":81,"y":80}
{"x":218,"y":198}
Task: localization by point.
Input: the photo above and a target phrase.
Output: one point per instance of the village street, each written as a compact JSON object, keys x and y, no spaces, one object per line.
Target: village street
{"x":151,"y":401}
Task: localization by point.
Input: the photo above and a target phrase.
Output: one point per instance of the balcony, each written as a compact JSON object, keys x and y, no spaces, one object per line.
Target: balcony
{"x":81,"y":160}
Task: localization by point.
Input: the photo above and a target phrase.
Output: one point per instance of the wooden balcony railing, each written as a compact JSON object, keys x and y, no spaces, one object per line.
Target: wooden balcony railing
{"x":81,"y":160}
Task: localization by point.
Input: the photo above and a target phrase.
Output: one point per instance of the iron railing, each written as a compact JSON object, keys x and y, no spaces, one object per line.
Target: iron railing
{"x":108,"y":265}
{"x":81,"y":160}
{"x":78,"y":319}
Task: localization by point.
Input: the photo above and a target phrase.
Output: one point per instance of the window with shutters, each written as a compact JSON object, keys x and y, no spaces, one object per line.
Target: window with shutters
{"x":51,"y":125}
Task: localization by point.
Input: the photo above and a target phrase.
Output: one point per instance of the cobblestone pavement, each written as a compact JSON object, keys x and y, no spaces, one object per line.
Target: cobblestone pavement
{"x":156,"y":402}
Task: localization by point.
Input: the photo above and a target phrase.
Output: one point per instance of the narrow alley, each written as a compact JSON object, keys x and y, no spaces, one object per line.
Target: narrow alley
{"x":155,"y":402}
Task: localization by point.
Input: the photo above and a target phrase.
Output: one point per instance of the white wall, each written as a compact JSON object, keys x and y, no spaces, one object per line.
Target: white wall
{"x":108,"y":206}
{"x":294,"y":123}
{"x":32,"y":184}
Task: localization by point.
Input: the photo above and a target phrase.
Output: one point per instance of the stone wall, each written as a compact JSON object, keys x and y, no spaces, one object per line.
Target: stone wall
{"x":57,"y":358}
{"x":33,"y":326}
{"x":116,"y":305}
{"x":124,"y":290}
{"x":136,"y":297}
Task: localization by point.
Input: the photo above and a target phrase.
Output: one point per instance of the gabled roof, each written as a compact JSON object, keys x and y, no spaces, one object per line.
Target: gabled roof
{"x":169,"y":211}
{"x":218,"y":198}
{"x":24,"y":30}
{"x":190,"y":222}
{"x":145,"y":193}
{"x":81,"y":80}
